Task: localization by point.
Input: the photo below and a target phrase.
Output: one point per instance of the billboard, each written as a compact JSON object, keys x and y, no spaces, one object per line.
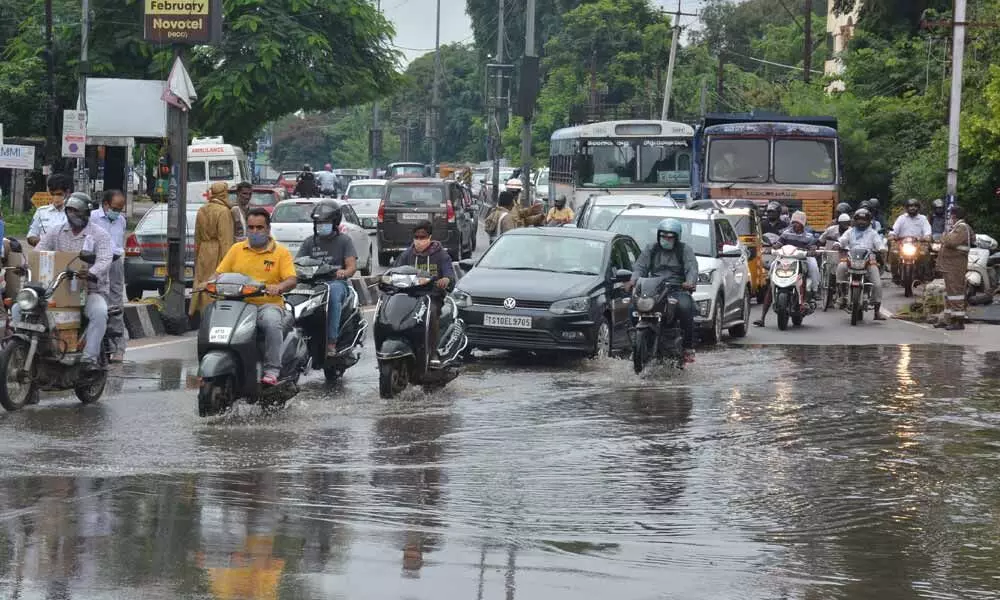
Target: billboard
{"x":182,"y":21}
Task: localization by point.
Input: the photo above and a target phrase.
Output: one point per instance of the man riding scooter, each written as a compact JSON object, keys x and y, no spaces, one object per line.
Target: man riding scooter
{"x":910,"y":224}
{"x":428,"y":255}
{"x":329,"y":245}
{"x":772,"y":219}
{"x":862,"y":235}
{"x":675,"y":260}
{"x":800,"y":236}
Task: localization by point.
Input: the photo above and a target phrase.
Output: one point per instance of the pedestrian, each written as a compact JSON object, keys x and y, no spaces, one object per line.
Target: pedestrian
{"x":500,"y":218}
{"x":52,"y":217}
{"x":939,"y":220}
{"x":244,"y":192}
{"x":953,"y":262}
{"x":213,"y":236}
{"x":109,"y":218}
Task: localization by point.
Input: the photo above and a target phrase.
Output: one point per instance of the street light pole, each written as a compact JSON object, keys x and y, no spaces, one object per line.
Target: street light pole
{"x":375,"y":115}
{"x":495,"y":192}
{"x":83,"y":182}
{"x":529,"y":51}
{"x":435,"y":98}
{"x":955,"y":112}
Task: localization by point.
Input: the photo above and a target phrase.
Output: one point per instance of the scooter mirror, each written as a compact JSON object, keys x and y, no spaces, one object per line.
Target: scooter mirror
{"x":88,"y":257}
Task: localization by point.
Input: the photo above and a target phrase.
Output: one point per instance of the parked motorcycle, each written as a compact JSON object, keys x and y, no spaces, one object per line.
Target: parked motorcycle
{"x":229,"y":359}
{"x":788,"y":286}
{"x":35,"y":359}
{"x":402,"y":333}
{"x":859,"y":291}
{"x":656,"y":334}
{"x":309,"y":302}
{"x":982,"y":278}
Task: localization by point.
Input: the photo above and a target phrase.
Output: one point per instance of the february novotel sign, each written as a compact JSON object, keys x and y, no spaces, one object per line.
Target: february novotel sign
{"x":182,"y":21}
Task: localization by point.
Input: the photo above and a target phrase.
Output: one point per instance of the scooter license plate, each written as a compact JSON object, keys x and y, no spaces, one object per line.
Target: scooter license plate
{"x":219,"y":335}
{"x":29,"y":326}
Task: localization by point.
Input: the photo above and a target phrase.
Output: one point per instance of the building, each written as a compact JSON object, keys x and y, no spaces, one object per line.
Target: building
{"x":839,"y":30}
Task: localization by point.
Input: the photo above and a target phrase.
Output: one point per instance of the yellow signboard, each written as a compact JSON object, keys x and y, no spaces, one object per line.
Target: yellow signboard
{"x":182,"y":21}
{"x":40,"y":199}
{"x":176,"y":7}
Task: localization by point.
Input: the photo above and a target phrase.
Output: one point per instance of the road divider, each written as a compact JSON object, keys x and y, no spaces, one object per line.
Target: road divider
{"x":142,"y":319}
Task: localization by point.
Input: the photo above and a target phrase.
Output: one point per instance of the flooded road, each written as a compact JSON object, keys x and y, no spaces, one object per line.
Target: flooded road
{"x":763,"y":472}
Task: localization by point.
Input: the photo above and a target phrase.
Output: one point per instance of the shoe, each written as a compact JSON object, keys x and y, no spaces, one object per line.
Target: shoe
{"x":689,"y":356}
{"x":956,"y":326}
{"x":269,"y":380}
{"x":331,"y":349}
{"x":878,"y":313}
{"x":759,"y":322}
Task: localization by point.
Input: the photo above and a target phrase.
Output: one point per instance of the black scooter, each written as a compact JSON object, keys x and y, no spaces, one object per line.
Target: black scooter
{"x":229,"y":358}
{"x":309,"y":301}
{"x":656,"y":334}
{"x":402,"y":333}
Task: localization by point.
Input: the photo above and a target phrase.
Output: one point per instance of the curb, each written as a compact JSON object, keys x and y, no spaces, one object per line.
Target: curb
{"x":143,"y":320}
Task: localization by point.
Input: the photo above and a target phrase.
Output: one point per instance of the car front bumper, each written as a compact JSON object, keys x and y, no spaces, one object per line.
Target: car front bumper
{"x":549,"y":332}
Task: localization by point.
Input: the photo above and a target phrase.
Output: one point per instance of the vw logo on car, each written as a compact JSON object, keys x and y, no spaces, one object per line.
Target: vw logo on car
{"x":510,"y":303}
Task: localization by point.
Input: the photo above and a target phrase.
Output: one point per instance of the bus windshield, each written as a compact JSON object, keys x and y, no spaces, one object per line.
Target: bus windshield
{"x":635,"y":162}
{"x":804,"y":161}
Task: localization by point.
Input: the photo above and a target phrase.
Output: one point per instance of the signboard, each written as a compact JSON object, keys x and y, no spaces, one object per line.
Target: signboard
{"x":74,"y":134}
{"x":182,"y":21}
{"x":1,"y":134}
{"x":17,"y":157}
{"x":40,"y":199}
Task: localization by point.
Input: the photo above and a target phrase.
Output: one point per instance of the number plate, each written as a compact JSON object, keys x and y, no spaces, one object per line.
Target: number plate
{"x":219,"y":335}
{"x":507,"y":321}
{"x":160,"y":272}
{"x":29,"y":326}
{"x":414,"y":216}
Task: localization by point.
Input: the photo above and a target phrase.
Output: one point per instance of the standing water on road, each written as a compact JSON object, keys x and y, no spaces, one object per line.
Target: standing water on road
{"x":771,"y":472}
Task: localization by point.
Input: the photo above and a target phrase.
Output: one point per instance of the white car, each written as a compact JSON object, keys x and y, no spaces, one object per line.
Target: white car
{"x":365,"y":195}
{"x":291,"y":225}
{"x":722,"y":299}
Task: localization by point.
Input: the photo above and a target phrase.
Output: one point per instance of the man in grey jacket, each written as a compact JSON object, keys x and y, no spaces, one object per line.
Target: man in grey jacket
{"x":676,"y":261}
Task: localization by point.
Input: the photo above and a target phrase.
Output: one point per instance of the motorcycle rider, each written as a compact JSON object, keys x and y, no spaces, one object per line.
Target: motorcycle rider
{"x":429,"y":255}
{"x":862,"y":235}
{"x":560,"y":214}
{"x":331,"y":246}
{"x":938,"y":219}
{"x":873,"y":207}
{"x":671,"y":258}
{"x":842,"y":209}
{"x":911,"y":223}
{"x":305,"y":187}
{"x":75,"y":235}
{"x":833,"y":233}
{"x":772,"y":219}
{"x":327,"y":181}
{"x":263,"y":259}
{"x":798,"y":235}
{"x":953,"y":262}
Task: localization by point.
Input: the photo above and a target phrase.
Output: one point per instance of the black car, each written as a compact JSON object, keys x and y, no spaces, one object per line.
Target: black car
{"x":549,"y":289}
{"x":408,"y":201}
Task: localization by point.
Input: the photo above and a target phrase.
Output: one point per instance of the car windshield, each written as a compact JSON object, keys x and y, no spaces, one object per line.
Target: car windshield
{"x":545,"y":253}
{"x":361,"y":192}
{"x":155,"y":222}
{"x":804,"y":161}
{"x":642,"y":229}
{"x":602,"y":216}
{"x":738,"y":160}
{"x":416,"y":195}
{"x":294,"y":212}
{"x":220,"y":170}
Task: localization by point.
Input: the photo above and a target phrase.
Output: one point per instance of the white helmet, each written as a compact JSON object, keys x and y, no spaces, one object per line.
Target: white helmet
{"x":515,"y":184}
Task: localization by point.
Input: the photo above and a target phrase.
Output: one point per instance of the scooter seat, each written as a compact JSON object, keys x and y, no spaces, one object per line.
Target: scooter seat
{"x":287,"y":322}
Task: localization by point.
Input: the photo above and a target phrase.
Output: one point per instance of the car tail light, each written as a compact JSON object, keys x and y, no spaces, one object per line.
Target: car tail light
{"x":381,"y":212}
{"x":451,"y":212}
{"x":132,"y":247}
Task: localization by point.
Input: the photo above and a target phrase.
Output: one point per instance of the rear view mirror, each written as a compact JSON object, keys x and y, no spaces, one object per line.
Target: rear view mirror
{"x":88,"y":257}
{"x":729,"y":251}
{"x":467,"y":264}
{"x":623,"y":275}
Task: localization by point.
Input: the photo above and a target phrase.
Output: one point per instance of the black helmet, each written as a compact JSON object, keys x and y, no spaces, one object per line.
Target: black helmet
{"x":306,"y":168}
{"x":873,"y":202}
{"x":865,"y":204}
{"x":843,"y":208}
{"x":773,"y":207}
{"x":327,"y":212}
{"x":863,"y":215}
{"x":79,"y":202}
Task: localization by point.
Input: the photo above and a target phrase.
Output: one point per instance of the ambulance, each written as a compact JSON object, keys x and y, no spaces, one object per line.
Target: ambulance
{"x":210,"y":159}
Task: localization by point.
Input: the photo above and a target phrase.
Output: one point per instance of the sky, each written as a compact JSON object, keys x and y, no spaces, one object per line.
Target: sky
{"x":414,"y":21}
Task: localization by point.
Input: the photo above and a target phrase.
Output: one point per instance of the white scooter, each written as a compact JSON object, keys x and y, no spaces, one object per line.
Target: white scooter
{"x":982,"y":276}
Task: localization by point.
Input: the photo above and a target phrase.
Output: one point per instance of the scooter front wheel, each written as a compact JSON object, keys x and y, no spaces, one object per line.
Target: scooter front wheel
{"x":393,"y":377}
{"x":91,"y":391}
{"x":15,"y":387}
{"x":214,"y":396}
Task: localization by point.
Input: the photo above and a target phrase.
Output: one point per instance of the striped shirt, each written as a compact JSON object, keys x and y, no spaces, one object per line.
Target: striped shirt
{"x":91,"y":238}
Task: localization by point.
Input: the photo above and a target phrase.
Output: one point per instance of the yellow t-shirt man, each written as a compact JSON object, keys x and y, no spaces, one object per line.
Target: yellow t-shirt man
{"x":270,"y":265}
{"x":560,"y":215}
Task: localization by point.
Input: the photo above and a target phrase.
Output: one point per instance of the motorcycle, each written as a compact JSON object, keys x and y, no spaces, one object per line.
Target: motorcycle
{"x":35,"y":359}
{"x":229,"y":360}
{"x":828,"y":278}
{"x":911,"y":264}
{"x":788,"y":286}
{"x":982,"y":277}
{"x":402,"y":333}
{"x":309,"y":302}
{"x":656,"y":335}
{"x":859,"y":292}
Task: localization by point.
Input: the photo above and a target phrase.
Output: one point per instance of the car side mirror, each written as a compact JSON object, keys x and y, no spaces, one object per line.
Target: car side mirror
{"x":88,"y":257}
{"x":729,"y":251}
{"x":467,"y":264}
{"x":623,"y":275}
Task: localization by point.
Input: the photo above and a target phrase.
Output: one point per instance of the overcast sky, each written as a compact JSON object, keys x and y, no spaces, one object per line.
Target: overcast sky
{"x":414,"y":21}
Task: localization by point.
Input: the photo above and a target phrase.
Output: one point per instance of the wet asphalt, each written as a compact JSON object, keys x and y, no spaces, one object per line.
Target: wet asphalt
{"x":825,"y":462}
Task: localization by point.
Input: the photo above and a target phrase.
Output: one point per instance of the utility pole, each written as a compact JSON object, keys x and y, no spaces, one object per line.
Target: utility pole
{"x":496,"y":105}
{"x":808,"y":45}
{"x":50,"y":138}
{"x":435,"y":100}
{"x":83,"y":183}
{"x":955,"y":112}
{"x":668,"y":87}
{"x":175,"y":318}
{"x":720,"y":79}
{"x":529,"y":53}
{"x":703,"y":106}
{"x":375,"y":107}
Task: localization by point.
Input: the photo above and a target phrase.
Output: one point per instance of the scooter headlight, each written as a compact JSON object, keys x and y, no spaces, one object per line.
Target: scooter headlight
{"x":27,"y":299}
{"x":909,"y":250}
{"x":644,"y":304}
{"x":974,"y":279}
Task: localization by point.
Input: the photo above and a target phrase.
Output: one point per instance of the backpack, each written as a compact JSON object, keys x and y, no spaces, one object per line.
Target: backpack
{"x":493,"y":221}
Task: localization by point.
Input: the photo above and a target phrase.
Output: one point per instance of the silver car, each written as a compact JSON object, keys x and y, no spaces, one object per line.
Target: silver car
{"x":365,"y":195}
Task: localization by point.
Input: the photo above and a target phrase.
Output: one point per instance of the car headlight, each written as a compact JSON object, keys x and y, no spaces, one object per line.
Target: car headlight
{"x":644,"y":304}
{"x":909,"y":250}
{"x":972,"y":277}
{"x":704,"y":307}
{"x":706,"y":277}
{"x":27,"y":299}
{"x":462,"y":300}
{"x":571,"y":306}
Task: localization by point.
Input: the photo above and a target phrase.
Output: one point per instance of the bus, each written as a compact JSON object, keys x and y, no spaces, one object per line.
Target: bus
{"x":621,"y":157}
{"x":793,"y":160}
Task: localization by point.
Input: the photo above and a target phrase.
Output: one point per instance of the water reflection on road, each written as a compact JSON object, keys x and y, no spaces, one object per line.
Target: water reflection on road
{"x":761,"y":473}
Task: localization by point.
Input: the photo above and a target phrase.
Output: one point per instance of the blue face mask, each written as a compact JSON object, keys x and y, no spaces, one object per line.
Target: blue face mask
{"x":324,"y":229}
{"x":667,"y":244}
{"x":112,"y":214}
{"x":258,"y":240}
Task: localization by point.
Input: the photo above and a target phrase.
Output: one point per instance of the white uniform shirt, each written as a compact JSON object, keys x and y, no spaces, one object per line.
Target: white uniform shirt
{"x":868,"y":238}
{"x":46,"y":220}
